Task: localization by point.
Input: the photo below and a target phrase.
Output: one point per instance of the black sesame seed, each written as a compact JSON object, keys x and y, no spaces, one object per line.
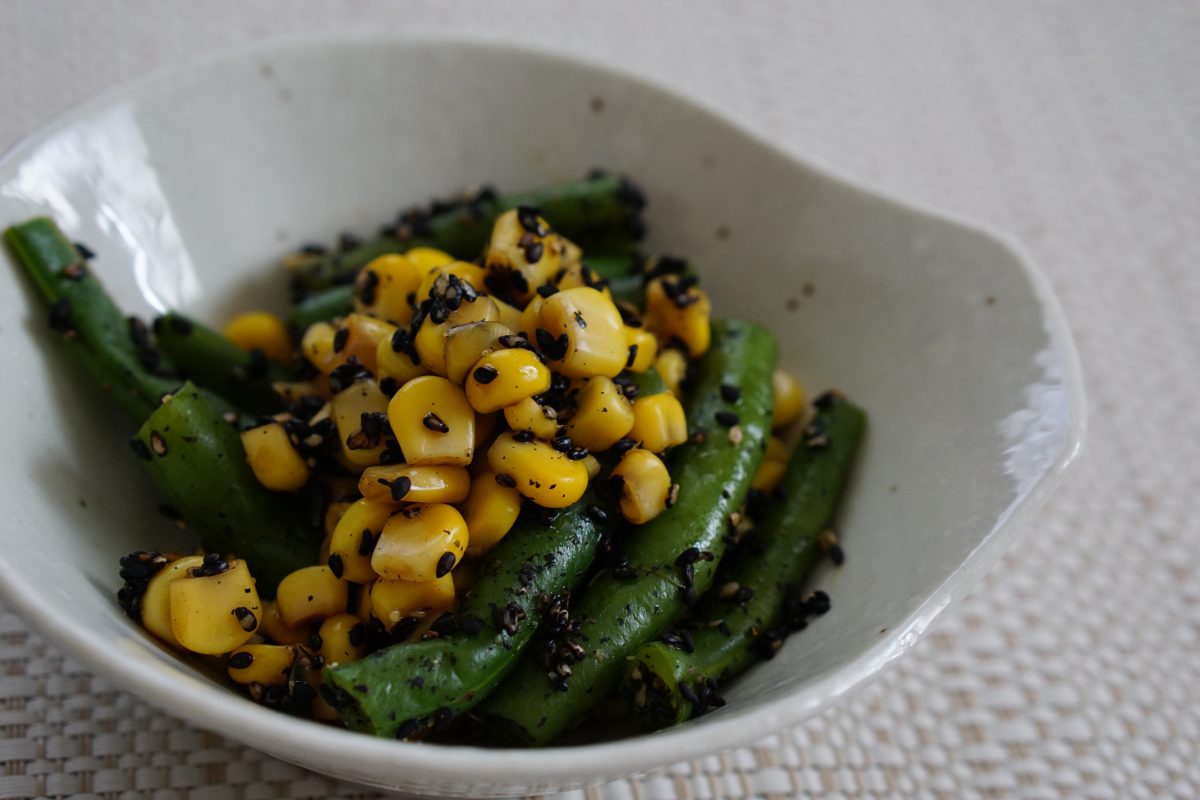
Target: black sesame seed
{"x":485,"y":374}
{"x":181,"y":325}
{"x":445,"y":564}
{"x":246,"y":618}
{"x":314,"y":640}
{"x":399,"y":486}
{"x":434,"y":423}
{"x":623,"y":445}
{"x":527,"y":216}
{"x":533,"y":252}
{"x":340,"y":338}
{"x":633,"y":351}
{"x":357,"y":635}
{"x":505,"y":480}
{"x":240,"y":660}
{"x":367,"y":543}
{"x":84,"y":251}
{"x":388,"y":385}
{"x":597,"y":513}
{"x":730,"y":393}
{"x":470,"y":625}
{"x":60,"y":315}
{"x":547,"y":289}
{"x":727,"y":418}
{"x":837,"y":555}
{"x":688,"y":556}
{"x":523,"y":436}
{"x":336,"y":566}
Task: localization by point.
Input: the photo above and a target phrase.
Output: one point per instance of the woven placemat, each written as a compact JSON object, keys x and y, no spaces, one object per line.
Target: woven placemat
{"x":1074,"y":669}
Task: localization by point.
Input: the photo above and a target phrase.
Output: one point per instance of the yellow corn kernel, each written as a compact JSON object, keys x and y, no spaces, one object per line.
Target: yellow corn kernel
{"x":531,"y":317}
{"x":485,"y":428}
{"x":658,"y":422}
{"x":464,"y":576}
{"x":504,"y":377}
{"x":392,"y":601}
{"x":354,"y":538}
{"x":333,"y":515}
{"x":543,"y":474}
{"x":768,"y":475}
{"x":433,"y":422}
{"x":213,"y":614}
{"x":677,"y":311}
{"x":362,"y":338}
{"x":594,"y":330}
{"x":466,"y":344}
{"x":273,"y":458}
{"x":463,"y":270}
{"x":291,"y":391}
{"x":777,"y":450}
{"x":383,"y":287}
{"x":317,"y":346}
{"x":571,"y":252}
{"x":264,"y":664}
{"x":263,"y":331}
{"x":430,"y":340}
{"x":592,"y":465}
{"x":156,"y":600}
{"x":490,"y":512}
{"x":272,"y":626}
{"x":395,"y":364}
{"x":602,"y":415}
{"x":390,"y":484}
{"x":645,"y":485}
{"x":310,"y":593}
{"x":671,"y":366}
{"x":530,"y":415}
{"x":522,"y":259}
{"x":575,"y":275}
{"x":362,"y":601}
{"x":789,"y":399}
{"x":420,"y":543}
{"x":427,"y":259}
{"x":642,"y":358}
{"x":359,"y":447}
{"x":343,"y":639}
{"x":509,"y":316}
{"x":322,"y":711}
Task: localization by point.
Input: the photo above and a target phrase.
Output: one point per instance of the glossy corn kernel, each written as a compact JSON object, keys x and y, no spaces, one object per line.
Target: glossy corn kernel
{"x":522,"y":256}
{"x":643,"y":349}
{"x":353,"y":539}
{"x":776,"y":450}
{"x":531,"y":317}
{"x":464,"y":576}
{"x":384,"y":285}
{"x":485,"y":430}
{"x":595,"y":334}
{"x":508,"y":315}
{"x":645,"y":485}
{"x":430,"y":340}
{"x":789,"y":399}
{"x":361,"y":446}
{"x":396,"y":364}
{"x":530,"y":415}
{"x":264,"y":664}
{"x":433,"y":422}
{"x":317,"y":346}
{"x":261,"y":330}
{"x":675,"y":310}
{"x":490,"y":512}
{"x":362,"y":601}
{"x":156,"y":600}
{"x":658,"y":422}
{"x":420,"y":543}
{"x":428,"y":258}
{"x":361,"y":340}
{"x":273,"y":627}
{"x":768,"y":475}
{"x":310,"y":593}
{"x":333,"y":515}
{"x":592,"y":465}
{"x":541,"y":473}
{"x":671,"y":365}
{"x":322,"y":711}
{"x":212,"y":614}
{"x":576,"y":275}
{"x":273,"y":458}
{"x":466,"y":344}
{"x":394,"y":483}
{"x":504,"y":377}
{"x":392,"y":601}
{"x":343,"y":639}
{"x":602,"y":415}
{"x":463,"y":270}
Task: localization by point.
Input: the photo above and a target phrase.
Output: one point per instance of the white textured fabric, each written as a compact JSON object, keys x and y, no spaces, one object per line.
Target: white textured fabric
{"x":1074,"y":669}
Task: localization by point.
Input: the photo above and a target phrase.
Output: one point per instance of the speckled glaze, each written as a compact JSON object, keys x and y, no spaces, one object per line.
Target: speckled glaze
{"x":190,"y":184}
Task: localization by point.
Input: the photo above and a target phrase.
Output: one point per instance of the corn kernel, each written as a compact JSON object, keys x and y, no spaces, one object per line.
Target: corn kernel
{"x":362,"y":338}
{"x":363,"y":519}
{"x":464,"y":576}
{"x":427,"y":259}
{"x":509,"y":315}
{"x":384,"y":285}
{"x":592,"y":465}
{"x":490,"y":512}
{"x":463,"y":270}
{"x":414,"y":484}
{"x":576,"y":275}
{"x":343,"y":639}
{"x":658,"y":422}
{"x":333,"y":515}
{"x":263,"y":331}
{"x":645,"y":485}
{"x":522,"y":259}
{"x":420,"y":543}
{"x":392,"y":601}
{"x":530,"y":415}
{"x":543,"y":474}
{"x":466,"y":344}
{"x":768,"y":475}
{"x":777,"y":450}
{"x":675,"y":310}
{"x":310,"y":593}
{"x":273,"y":458}
{"x":213,"y":614}
{"x":485,"y":429}
{"x":272,"y":626}
{"x":317,"y":346}
{"x":156,"y":600}
{"x":264,"y":664}
{"x":531,"y":317}
{"x":602,"y":415}
{"x":789,"y":399}
{"x":643,"y":349}
{"x":504,"y":377}
{"x":430,"y":340}
{"x":595,"y":334}
{"x":671,"y":365}
{"x":433,"y":422}
{"x":360,"y":447}
{"x":396,"y":364}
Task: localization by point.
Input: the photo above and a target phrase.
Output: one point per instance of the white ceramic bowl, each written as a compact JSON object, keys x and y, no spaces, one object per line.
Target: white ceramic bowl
{"x":190,"y":184}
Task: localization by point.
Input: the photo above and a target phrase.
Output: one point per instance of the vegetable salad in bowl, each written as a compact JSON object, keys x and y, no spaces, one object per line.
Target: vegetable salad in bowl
{"x":497,"y":473}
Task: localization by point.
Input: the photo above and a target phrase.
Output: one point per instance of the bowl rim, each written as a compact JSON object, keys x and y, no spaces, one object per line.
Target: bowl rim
{"x":216,"y":709}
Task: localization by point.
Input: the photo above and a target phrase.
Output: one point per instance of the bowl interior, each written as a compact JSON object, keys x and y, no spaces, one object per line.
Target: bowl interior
{"x":189,"y":187}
